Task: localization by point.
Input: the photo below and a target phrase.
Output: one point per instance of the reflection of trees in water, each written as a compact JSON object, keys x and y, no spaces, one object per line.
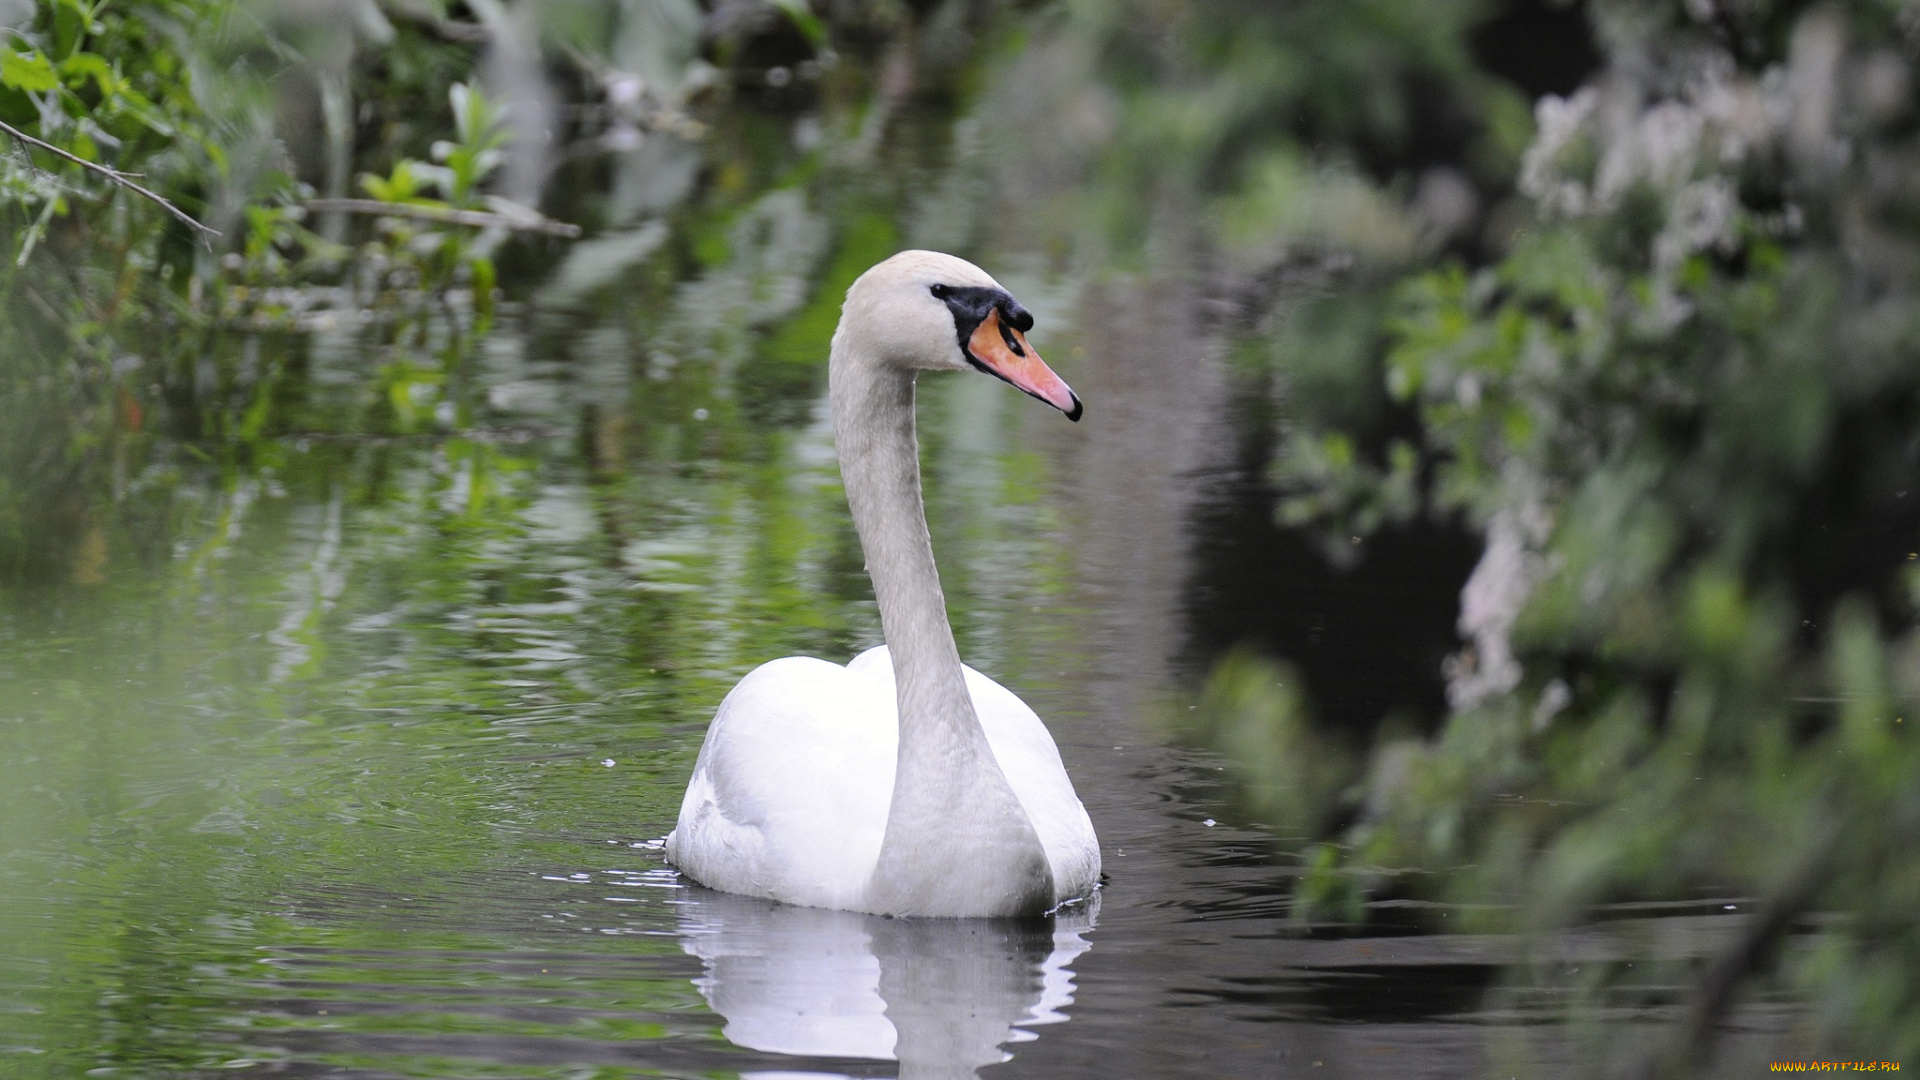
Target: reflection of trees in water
{"x":1368,"y":634}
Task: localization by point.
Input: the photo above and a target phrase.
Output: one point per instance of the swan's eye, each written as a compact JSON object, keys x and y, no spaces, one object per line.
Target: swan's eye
{"x":941,"y":292}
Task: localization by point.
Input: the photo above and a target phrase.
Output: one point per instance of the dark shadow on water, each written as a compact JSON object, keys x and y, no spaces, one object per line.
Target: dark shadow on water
{"x":1385,"y":994}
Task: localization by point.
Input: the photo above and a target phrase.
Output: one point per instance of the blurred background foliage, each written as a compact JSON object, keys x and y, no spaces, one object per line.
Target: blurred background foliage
{"x":1678,"y":397}
{"x":1625,"y":287}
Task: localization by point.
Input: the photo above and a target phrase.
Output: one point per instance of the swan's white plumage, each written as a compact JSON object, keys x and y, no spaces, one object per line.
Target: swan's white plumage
{"x":904,"y":783}
{"x":789,"y":796}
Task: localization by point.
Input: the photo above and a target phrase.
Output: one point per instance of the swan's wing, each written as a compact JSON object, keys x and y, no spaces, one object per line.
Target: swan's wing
{"x":1027,"y":755}
{"x":789,"y":796}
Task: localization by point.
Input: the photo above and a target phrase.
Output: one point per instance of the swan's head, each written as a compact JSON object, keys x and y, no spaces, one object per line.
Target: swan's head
{"x":923,"y":310}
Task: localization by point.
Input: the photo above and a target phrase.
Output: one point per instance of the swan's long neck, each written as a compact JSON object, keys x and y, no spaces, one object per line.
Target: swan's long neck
{"x":955,"y":829}
{"x":880,"y":464}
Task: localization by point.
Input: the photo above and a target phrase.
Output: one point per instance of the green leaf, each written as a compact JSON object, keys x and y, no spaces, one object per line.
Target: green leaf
{"x":72,"y":22}
{"x":804,"y":20}
{"x":81,"y":66}
{"x":27,"y":71}
{"x":400,"y":188}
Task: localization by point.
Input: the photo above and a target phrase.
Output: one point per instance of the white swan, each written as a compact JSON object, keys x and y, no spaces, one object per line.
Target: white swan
{"x":904,"y":783}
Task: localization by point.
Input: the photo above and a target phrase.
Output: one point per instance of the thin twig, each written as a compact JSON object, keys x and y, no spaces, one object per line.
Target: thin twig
{"x":46,"y":308}
{"x":117,"y":177}
{"x":443,"y":214}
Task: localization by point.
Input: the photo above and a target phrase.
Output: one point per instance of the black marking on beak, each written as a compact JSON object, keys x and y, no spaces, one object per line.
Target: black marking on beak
{"x":1013,"y":343}
{"x":971,"y":303}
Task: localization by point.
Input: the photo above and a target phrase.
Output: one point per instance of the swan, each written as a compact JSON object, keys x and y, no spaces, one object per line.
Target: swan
{"x":905,"y":782}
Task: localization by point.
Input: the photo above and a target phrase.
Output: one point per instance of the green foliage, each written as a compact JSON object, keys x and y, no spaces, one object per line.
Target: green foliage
{"x":1295,"y":129}
{"x":108,"y":83}
{"x":1285,"y":773}
{"x":476,"y":151}
{"x":430,"y":259}
{"x":1686,"y":411}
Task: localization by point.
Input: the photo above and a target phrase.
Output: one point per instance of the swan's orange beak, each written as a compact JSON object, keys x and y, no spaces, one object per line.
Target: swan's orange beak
{"x":1000,"y":350}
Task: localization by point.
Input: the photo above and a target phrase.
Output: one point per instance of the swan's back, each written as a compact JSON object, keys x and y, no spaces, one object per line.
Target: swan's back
{"x":789,"y":798}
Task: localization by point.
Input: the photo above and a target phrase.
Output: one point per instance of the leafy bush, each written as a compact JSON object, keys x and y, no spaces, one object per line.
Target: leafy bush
{"x":1685,"y":410}
{"x":1296,"y":130}
{"x":109,"y":84}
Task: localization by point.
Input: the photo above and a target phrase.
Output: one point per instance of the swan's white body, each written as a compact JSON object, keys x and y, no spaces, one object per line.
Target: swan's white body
{"x":903,"y":783}
{"x":789,"y":799}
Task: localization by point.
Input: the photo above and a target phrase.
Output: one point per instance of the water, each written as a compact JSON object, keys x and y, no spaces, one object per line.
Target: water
{"x":341,"y":744}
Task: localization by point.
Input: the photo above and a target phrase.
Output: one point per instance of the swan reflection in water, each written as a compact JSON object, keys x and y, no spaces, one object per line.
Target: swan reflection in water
{"x":940,"y":996}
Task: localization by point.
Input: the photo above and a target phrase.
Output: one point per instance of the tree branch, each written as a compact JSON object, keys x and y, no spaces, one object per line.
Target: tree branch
{"x":445,"y":215}
{"x":118,"y":177}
